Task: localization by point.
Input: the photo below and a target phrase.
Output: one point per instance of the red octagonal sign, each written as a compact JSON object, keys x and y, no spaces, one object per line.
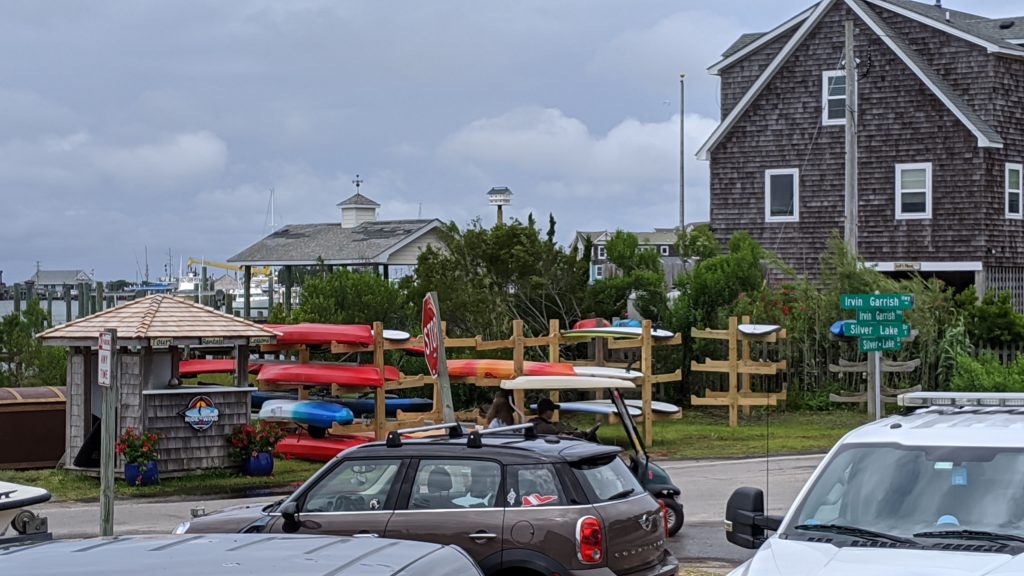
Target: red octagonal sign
{"x":431,"y":333}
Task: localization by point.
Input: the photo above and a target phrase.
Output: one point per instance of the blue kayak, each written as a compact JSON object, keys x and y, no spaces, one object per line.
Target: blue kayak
{"x":361,"y":406}
{"x":307,"y":412}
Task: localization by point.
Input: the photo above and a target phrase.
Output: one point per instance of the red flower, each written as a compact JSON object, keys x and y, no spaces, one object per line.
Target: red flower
{"x":785,"y":310}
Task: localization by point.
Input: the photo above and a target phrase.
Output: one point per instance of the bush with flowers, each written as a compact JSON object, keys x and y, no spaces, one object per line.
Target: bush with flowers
{"x":137,"y":447}
{"x":247,"y":441}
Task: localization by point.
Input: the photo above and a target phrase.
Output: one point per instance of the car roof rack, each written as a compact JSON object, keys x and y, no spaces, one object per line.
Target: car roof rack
{"x":476,"y":436}
{"x":394,"y":439}
{"x":961,"y":399}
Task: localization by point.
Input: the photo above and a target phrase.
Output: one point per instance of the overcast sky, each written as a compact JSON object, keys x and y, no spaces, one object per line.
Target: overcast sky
{"x":165,"y":124}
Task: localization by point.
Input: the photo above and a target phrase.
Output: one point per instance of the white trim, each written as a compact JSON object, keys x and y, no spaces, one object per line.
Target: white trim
{"x":825,"y":77}
{"x":598,"y":271}
{"x":409,"y":239}
{"x":868,"y":19}
{"x":992,"y":48}
{"x":663,"y":249}
{"x":754,"y":46}
{"x":1019,"y":214}
{"x":602,"y":253}
{"x":927,"y":167}
{"x":965,"y":266}
{"x":795,"y":173}
{"x":763,"y":79}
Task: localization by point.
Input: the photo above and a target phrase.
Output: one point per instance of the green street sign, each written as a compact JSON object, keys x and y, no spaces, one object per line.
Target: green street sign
{"x":879,"y":316}
{"x":876,"y":301}
{"x":876,"y":330}
{"x":879,"y":344}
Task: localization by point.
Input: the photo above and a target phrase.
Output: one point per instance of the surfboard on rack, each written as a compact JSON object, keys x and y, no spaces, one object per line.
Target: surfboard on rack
{"x":506,"y":369}
{"x":306,"y":412}
{"x":758,"y":329}
{"x":326,"y":374}
{"x":656,"y":407}
{"x":608,"y":372}
{"x":591,"y":407}
{"x":616,"y":332}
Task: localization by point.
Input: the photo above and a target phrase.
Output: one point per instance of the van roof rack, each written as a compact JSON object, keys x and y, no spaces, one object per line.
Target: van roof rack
{"x":476,"y":436}
{"x":394,"y":438}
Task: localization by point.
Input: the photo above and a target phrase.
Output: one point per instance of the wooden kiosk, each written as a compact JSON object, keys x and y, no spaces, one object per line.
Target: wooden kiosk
{"x":150,"y":335}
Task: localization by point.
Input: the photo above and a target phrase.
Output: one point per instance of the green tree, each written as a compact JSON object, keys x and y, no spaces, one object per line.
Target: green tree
{"x":699,"y":243}
{"x":346,"y":297}
{"x":24,"y":361}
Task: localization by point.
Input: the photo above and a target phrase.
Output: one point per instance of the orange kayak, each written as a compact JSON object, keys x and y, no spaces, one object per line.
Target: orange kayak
{"x":326,"y":374}
{"x":505,"y":369}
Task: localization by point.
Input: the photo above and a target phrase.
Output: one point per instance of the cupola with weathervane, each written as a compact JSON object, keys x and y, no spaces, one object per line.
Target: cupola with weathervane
{"x":357,"y":208}
{"x":499,"y":196}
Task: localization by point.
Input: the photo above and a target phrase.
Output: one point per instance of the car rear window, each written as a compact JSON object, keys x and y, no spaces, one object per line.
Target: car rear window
{"x":607,"y":480}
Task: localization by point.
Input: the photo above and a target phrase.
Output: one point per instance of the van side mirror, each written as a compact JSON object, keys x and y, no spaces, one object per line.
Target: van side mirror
{"x":745,"y":520}
{"x":290,"y":513}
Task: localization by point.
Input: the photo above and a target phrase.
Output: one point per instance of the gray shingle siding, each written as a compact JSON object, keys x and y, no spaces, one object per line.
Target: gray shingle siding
{"x":738,"y":78}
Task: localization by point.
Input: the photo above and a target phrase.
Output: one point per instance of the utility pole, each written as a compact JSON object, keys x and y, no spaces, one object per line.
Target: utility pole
{"x":850,"y":230}
{"x":682,"y":154}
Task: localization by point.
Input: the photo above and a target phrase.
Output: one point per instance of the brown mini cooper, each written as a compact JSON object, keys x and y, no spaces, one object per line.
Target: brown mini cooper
{"x":518,"y":503}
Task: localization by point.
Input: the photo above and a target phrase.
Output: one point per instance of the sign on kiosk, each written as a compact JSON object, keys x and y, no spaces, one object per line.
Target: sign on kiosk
{"x":106,"y":344}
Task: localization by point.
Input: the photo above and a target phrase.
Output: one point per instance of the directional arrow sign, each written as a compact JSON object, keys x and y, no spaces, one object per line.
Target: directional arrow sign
{"x":876,"y":301}
{"x":879,"y":344}
{"x":876,"y":330}
{"x":879,"y":316}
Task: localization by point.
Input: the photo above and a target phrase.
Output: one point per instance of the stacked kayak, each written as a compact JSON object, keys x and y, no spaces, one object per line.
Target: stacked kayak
{"x":358,"y":405}
{"x":326,"y":375}
{"x":306,"y":412}
{"x":302,"y":447}
{"x":505,"y":369}
{"x":193,"y":368}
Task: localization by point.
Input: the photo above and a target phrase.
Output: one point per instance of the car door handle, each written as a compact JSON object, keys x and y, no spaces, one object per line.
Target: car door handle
{"x":482,"y":536}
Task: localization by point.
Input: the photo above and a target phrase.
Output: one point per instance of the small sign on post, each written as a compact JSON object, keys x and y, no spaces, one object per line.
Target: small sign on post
{"x":105,"y":347}
{"x":433,"y":353}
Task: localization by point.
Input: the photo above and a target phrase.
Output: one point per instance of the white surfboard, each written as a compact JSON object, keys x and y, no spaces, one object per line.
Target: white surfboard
{"x":14,"y":498}
{"x":616,"y":332}
{"x":591,"y":407}
{"x":565,"y":383}
{"x":758,"y":329}
{"x":608,"y":372}
{"x":396,"y":335}
{"x":638,"y":405}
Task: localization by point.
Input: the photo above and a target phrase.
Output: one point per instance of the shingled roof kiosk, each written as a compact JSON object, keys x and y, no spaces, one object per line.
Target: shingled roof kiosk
{"x":150,"y":335}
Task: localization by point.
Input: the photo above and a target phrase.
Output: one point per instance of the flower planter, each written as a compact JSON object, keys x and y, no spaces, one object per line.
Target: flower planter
{"x":134,"y":475}
{"x":261,"y":464}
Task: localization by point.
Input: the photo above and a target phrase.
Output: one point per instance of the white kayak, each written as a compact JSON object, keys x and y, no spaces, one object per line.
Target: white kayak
{"x":616,"y":332}
{"x":608,"y":372}
{"x":592,"y":407}
{"x":637,"y":405}
{"x":396,"y":335}
{"x":565,"y":383}
{"x":758,"y":329}
{"x":16,"y":497}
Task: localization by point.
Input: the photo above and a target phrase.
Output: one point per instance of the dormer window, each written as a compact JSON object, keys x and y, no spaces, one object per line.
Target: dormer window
{"x":833,"y":97}
{"x":600,"y":252}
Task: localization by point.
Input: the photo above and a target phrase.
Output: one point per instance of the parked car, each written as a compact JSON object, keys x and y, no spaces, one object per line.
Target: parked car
{"x":937,"y":490}
{"x":235,"y":554}
{"x":518,"y":503}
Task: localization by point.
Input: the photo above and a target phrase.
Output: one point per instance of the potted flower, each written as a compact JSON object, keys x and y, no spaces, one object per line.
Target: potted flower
{"x":138,"y":449}
{"x":254,"y":447}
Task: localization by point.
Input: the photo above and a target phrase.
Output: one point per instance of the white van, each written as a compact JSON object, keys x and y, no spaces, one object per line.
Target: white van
{"x":938,"y":490}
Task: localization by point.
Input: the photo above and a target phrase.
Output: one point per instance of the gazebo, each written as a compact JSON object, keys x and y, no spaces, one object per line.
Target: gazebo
{"x":151,"y":333}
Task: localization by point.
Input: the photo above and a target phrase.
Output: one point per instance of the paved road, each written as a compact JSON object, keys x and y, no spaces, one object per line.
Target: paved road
{"x":706,"y":486}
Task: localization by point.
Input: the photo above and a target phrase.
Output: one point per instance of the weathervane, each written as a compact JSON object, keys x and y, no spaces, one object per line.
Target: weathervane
{"x":358,"y":181}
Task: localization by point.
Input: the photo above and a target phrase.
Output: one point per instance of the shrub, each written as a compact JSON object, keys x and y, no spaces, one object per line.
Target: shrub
{"x":248,"y":440}
{"x":138,"y":447}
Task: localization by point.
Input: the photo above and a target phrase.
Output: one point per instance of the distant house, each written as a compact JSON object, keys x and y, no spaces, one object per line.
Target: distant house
{"x":662,"y":240}
{"x":940,"y":103}
{"x":55,"y":280}
{"x":228,"y":283}
{"x":358,"y":241}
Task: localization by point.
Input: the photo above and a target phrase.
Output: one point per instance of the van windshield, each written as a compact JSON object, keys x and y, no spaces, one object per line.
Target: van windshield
{"x":908,"y":490}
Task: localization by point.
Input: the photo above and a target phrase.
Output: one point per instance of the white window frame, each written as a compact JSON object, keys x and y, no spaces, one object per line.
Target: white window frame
{"x":599,"y":272}
{"x":795,"y":217}
{"x":927,"y":214}
{"x":1019,"y":214}
{"x":664,"y":250}
{"x":601,"y":254}
{"x":825,"y":120}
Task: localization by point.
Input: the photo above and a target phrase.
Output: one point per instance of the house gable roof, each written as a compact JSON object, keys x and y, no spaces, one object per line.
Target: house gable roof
{"x":55,"y":277}
{"x":987,"y":137}
{"x":358,"y":199}
{"x":971,"y":27}
{"x":749,"y":43}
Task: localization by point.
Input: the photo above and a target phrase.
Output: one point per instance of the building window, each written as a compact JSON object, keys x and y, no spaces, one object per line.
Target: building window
{"x":833,"y":97}
{"x":600,"y":252}
{"x":1013,"y":191}
{"x":664,"y":250}
{"x":782,"y":195}
{"x":598,"y":271}
{"x":913,"y":191}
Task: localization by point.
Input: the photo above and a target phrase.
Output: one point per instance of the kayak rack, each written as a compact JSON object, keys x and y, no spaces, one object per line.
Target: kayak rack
{"x":476,"y":439}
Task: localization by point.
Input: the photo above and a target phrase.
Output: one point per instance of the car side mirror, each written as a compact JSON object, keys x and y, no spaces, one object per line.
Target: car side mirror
{"x":290,"y":513}
{"x":745,"y":520}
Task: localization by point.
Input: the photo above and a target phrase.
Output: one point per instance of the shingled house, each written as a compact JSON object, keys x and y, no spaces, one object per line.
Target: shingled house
{"x":940,"y":103}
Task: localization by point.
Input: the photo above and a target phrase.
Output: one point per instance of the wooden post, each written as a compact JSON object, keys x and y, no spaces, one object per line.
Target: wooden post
{"x":246,"y":292}
{"x":98,"y":302}
{"x":270,"y":291}
{"x":379,"y":414}
{"x":851,"y":196}
{"x":733,"y":373}
{"x":647,"y":367}
{"x":201,"y":294}
{"x":554,"y":356}
{"x":745,"y":378}
{"x":287,"y":271}
{"x":67,"y":304}
{"x":108,"y":433}
{"x":17,"y":298}
{"x":600,"y":353}
{"x":242,"y":365}
{"x":49,"y":305}
{"x":518,"y":358}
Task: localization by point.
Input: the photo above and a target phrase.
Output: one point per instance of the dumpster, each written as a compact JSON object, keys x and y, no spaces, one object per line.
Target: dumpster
{"x":34,"y":418}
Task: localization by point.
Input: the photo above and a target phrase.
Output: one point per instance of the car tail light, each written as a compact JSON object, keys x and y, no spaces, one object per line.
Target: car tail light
{"x":589,"y":540}
{"x":664,"y":516}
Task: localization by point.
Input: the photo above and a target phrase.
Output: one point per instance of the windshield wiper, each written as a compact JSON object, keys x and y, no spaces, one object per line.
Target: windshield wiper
{"x":970,"y":535}
{"x":854,"y":531}
{"x":622,"y":494}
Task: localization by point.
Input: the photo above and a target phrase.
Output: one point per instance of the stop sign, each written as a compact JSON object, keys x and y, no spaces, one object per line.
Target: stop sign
{"x":431,"y":333}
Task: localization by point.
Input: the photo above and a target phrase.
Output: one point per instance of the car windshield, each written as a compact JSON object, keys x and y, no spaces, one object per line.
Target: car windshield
{"x":908,"y":490}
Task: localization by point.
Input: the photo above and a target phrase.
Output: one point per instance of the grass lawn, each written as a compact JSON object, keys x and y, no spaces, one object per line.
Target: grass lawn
{"x":706,"y":434}
{"x":66,"y":485}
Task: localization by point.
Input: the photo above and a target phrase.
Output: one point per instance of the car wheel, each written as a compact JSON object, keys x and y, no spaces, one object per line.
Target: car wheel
{"x":674,"y":515}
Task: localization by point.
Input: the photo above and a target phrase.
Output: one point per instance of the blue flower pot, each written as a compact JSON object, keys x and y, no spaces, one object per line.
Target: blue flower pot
{"x":261,"y":464}
{"x":136,"y":476}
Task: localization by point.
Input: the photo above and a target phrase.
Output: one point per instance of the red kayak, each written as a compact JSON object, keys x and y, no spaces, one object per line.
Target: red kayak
{"x":322,"y":334}
{"x":326,"y":374}
{"x":592,"y":323}
{"x":193,"y":368}
{"x":302,"y":447}
{"x":505,"y":369}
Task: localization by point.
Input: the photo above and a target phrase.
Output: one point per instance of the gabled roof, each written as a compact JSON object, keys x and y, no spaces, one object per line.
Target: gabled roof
{"x":971,"y":27}
{"x":358,"y":199}
{"x":305,"y":244}
{"x":56,"y":277}
{"x":747,"y":44}
{"x":658,"y":237}
{"x":987,"y":137}
{"x":159,"y":316}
